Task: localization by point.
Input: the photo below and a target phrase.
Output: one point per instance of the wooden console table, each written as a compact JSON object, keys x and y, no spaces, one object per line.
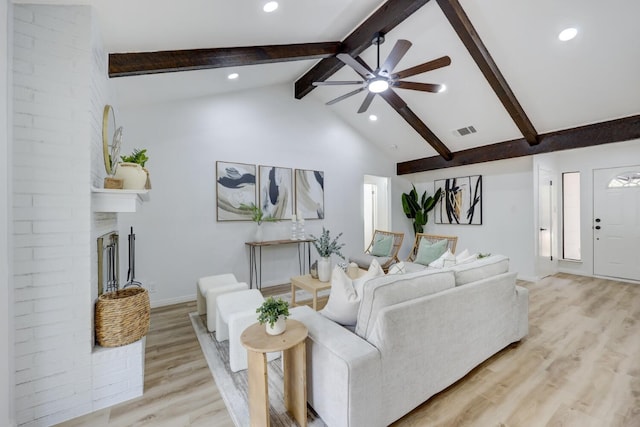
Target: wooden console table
{"x":255,"y":260}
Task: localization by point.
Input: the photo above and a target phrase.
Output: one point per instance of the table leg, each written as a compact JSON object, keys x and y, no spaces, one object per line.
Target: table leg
{"x":295,"y":382}
{"x":315,"y":300}
{"x":293,"y":295}
{"x":258,"y":389}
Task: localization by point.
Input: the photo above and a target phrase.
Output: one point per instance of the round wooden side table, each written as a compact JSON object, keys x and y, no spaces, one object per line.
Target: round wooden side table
{"x":292,"y":344}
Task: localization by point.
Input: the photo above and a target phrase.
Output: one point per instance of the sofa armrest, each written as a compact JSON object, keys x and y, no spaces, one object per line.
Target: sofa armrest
{"x":343,"y":373}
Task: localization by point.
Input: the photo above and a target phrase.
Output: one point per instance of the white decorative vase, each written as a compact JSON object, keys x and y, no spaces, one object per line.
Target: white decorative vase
{"x":279,"y":327}
{"x":324,"y":269}
{"x":258,"y":236}
{"x":133,"y":176}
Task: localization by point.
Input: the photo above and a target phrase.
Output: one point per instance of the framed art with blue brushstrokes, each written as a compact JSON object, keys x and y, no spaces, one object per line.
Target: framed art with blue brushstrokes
{"x":309,"y":194}
{"x":276,"y":191}
{"x":235,"y":186}
{"x":461,"y":201}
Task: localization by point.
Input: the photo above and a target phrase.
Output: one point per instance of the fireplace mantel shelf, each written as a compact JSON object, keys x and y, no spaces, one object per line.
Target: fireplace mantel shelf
{"x":107,"y":200}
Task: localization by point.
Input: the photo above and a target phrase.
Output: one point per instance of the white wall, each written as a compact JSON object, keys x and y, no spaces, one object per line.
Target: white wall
{"x":178,"y":238}
{"x":6,"y":290}
{"x":507,"y":212}
{"x":585,"y":160}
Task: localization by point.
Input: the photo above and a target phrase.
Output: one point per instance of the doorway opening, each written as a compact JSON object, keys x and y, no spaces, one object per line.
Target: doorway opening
{"x":376,"y":208}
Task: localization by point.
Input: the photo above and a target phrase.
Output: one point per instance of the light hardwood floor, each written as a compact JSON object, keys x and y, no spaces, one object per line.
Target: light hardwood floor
{"x":579,"y":366}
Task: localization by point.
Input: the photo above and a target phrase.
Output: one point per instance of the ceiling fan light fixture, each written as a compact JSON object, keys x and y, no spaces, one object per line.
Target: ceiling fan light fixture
{"x":378,"y":85}
{"x":567,"y":34}
{"x":443,"y":87}
{"x":270,"y":6}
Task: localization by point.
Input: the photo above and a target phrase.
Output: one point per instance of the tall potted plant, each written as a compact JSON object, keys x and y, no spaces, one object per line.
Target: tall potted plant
{"x":418,"y":209}
{"x":326,"y":247}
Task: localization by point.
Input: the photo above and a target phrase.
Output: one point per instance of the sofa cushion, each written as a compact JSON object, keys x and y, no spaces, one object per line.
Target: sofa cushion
{"x":427,"y":252}
{"x":397,"y":268}
{"x":480,"y":269}
{"x":384,"y":291}
{"x":382,"y":245}
{"x":344,"y":299}
{"x":364,"y":260}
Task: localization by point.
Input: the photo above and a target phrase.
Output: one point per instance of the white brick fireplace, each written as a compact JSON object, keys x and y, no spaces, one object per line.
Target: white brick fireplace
{"x":60,"y":87}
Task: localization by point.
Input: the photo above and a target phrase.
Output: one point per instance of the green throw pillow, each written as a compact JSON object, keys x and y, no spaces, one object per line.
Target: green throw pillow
{"x":382,"y":245}
{"x":427,"y":253}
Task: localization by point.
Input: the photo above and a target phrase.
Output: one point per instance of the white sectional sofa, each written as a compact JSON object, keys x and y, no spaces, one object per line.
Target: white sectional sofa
{"x":416,"y":334}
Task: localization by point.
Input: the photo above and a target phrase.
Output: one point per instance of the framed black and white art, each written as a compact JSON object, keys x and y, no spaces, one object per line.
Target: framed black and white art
{"x":461,"y":201}
{"x":309,"y":194}
{"x":235,"y":186}
{"x":276,"y":191}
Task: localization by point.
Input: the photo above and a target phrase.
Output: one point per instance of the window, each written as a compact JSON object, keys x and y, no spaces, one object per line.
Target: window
{"x":627,"y":179}
{"x":571,"y":216}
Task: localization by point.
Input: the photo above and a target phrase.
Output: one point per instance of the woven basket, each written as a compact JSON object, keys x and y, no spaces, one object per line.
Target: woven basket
{"x":122,"y":317}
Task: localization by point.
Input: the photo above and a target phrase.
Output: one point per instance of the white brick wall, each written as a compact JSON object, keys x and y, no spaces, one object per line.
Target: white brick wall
{"x":59,"y":90}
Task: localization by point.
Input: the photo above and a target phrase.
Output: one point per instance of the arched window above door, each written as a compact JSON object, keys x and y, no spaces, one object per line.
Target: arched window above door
{"x":626,"y":179}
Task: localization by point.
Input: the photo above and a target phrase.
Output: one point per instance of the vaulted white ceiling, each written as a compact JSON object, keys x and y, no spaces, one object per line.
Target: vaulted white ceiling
{"x":592,"y":78}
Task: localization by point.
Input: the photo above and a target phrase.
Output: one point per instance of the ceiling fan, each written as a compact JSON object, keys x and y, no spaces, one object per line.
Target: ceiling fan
{"x":383,"y":78}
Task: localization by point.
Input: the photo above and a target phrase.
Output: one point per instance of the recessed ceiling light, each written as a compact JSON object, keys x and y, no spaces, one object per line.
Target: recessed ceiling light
{"x":233,"y":76}
{"x":567,"y":34}
{"x":442,"y":88}
{"x":270,"y":6}
{"x":373,"y":117}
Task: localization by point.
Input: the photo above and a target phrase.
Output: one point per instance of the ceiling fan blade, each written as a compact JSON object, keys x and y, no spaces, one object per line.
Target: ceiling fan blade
{"x":424,"y":87}
{"x":359,"y":68}
{"x":366,"y":102}
{"x":397,"y":53}
{"x":346,"y":95}
{"x":337,"y":83}
{"x":422,"y":68}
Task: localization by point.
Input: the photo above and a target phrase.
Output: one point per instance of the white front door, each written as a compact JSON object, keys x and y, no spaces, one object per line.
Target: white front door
{"x":616,"y":223}
{"x":545,"y":224}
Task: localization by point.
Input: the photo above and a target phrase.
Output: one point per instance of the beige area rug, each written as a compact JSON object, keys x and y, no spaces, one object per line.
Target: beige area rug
{"x":233,"y":386}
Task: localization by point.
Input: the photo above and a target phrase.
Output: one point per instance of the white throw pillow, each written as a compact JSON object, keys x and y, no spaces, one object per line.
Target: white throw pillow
{"x":344,"y":299}
{"x":467,"y":260}
{"x":397,"y":268}
{"x":447,"y":259}
{"x":462,"y":255}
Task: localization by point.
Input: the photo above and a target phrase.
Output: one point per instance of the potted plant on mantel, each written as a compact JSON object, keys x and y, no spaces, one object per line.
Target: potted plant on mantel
{"x":326,"y":247}
{"x":274,"y":313}
{"x":132,"y":171}
{"x":258,"y":217}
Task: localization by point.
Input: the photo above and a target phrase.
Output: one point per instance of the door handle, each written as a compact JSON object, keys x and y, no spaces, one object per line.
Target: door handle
{"x":543,"y":229}
{"x":597,"y":227}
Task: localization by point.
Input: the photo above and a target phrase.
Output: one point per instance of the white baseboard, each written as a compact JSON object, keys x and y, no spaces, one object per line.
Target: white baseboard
{"x":172,"y":301}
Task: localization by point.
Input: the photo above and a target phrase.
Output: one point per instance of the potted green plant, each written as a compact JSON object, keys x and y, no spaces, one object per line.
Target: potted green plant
{"x":326,"y":247}
{"x":257,"y":216}
{"x":132,"y":171}
{"x":418,"y":209}
{"x":274,"y":313}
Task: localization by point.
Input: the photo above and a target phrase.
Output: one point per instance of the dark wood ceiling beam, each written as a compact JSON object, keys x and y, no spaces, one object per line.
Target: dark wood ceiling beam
{"x":470,"y":38}
{"x":394,"y":100}
{"x":138,"y":63}
{"x":383,"y":20}
{"x":618,"y":130}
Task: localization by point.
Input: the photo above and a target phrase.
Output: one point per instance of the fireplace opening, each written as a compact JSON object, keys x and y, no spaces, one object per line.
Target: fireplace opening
{"x":108,"y":263}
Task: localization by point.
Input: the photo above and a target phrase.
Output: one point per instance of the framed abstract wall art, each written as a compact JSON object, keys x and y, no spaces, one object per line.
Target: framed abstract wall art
{"x":276,"y":191}
{"x":461,"y":201}
{"x":235,"y":185}
{"x":309,"y":194}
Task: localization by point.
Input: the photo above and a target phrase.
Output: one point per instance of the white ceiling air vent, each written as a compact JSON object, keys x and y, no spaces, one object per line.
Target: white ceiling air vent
{"x":464,"y":131}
